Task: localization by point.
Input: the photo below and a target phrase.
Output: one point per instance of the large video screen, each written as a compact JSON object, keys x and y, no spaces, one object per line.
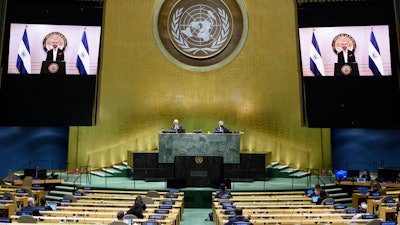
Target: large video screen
{"x":50,"y":62}
{"x":349,"y":60}
{"x":368,"y":46}
{"x":31,"y":45}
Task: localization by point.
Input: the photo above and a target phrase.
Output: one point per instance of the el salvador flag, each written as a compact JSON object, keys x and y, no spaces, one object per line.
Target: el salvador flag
{"x":82,"y":62}
{"x":24,"y":55}
{"x":316,"y":64}
{"x":374,"y":55}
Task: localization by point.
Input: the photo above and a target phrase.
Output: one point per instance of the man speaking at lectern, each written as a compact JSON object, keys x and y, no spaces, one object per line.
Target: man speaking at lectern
{"x":55,"y":54}
{"x":346,"y":56}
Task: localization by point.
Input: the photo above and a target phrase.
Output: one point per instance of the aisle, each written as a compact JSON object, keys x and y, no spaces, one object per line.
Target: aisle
{"x":196,"y":216}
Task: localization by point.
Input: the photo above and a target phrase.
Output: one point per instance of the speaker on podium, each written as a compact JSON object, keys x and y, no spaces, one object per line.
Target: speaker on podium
{"x":346,"y":69}
{"x":53,"y":67}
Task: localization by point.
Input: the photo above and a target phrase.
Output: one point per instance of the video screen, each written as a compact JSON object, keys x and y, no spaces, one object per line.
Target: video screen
{"x":50,"y":62}
{"x":368,"y":47}
{"x":32,"y":45}
{"x":349,"y":59}
{"x":341,"y":174}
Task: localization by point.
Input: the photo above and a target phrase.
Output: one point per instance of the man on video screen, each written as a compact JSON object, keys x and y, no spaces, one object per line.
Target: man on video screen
{"x":55,"y":54}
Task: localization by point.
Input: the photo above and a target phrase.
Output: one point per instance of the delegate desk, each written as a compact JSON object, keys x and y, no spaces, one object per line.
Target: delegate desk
{"x":189,"y":144}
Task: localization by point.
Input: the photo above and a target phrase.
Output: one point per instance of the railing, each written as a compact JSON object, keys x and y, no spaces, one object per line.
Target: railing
{"x":315,"y":173}
{"x":83,"y":170}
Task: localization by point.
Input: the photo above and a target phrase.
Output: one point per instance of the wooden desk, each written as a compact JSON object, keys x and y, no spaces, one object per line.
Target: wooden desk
{"x":385,"y":212}
{"x":120,"y":192}
{"x":43,"y":182}
{"x":46,"y":219}
{"x":367,"y":184}
{"x":173,"y":215}
{"x":306,"y":222}
{"x":266,"y":193}
{"x":358,"y":198}
{"x":9,"y":208}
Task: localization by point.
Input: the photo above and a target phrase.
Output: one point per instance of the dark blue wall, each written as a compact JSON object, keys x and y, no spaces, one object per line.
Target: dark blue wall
{"x":365,"y":148}
{"x":26,"y":147}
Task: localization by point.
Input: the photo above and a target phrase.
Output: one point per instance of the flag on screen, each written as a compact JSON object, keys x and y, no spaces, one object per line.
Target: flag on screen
{"x":82,"y":62}
{"x":24,"y":55}
{"x":316,"y":64}
{"x":374,"y":55}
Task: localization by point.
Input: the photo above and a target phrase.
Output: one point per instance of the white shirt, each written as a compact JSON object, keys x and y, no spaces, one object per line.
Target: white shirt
{"x":55,"y":54}
{"x":345,"y":56}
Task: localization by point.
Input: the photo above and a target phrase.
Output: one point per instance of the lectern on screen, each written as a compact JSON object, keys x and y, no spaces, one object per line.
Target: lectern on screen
{"x":346,"y":69}
{"x":50,"y":61}
{"x":348,"y":64}
{"x":53,"y":67}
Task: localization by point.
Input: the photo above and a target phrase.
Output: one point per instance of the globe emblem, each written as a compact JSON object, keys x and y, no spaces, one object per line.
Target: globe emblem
{"x":200,"y":31}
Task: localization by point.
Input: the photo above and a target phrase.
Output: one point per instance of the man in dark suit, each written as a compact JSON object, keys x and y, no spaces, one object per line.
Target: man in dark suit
{"x":346,"y":56}
{"x":55,"y":54}
{"x":176,"y":127}
{"x":221,"y":128}
{"x":238,"y":217}
{"x":31,"y":207}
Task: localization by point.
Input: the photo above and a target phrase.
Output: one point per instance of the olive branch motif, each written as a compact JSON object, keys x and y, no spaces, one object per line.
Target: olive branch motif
{"x":183,"y":44}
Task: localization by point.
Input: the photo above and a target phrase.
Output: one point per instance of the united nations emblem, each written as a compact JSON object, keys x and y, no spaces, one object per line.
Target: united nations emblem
{"x":200,"y":35}
{"x":343,"y":38}
{"x":200,"y":30}
{"x":199,"y":159}
{"x":53,"y":68}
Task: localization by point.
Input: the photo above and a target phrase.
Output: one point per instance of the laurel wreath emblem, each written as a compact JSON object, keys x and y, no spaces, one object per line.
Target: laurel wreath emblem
{"x":215,"y":46}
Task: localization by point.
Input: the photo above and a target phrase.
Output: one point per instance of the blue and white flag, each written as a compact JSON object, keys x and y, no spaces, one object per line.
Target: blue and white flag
{"x":316,"y":64}
{"x":374,"y":57}
{"x":83,"y":62}
{"x":24,"y":55}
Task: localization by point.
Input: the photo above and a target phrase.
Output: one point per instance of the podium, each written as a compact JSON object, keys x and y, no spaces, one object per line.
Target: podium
{"x":53,"y":67}
{"x":346,"y":69}
{"x":199,"y":171}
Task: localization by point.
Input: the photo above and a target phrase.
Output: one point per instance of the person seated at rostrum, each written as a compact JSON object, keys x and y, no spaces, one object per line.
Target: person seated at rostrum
{"x":137,"y":208}
{"x":31,"y":207}
{"x":222,"y":191}
{"x":238,"y":217}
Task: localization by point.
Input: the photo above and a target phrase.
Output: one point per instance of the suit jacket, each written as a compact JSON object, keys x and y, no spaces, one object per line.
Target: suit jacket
{"x":60,"y":55}
{"x":224,"y":129}
{"x":350,"y":57}
{"x":179,"y":127}
{"x":236,"y":219}
{"x":32,"y":210}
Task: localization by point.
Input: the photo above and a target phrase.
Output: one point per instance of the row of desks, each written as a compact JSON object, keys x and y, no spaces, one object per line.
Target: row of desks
{"x":282,"y":209}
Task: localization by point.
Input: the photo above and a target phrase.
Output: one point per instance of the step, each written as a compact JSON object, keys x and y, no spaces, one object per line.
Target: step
{"x":343,"y":200}
{"x":280,"y":167}
{"x":111,"y":171}
{"x":274,"y":164}
{"x":99,"y":173}
{"x":335,"y":195}
{"x":51,"y":197}
{"x":329,"y":185}
{"x":60,"y":193}
{"x":289,"y":170}
{"x":300,"y":174}
{"x":65,"y":188}
{"x":125,"y":164}
{"x":331,"y":190}
{"x":66,"y":183}
{"x":121,"y":167}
